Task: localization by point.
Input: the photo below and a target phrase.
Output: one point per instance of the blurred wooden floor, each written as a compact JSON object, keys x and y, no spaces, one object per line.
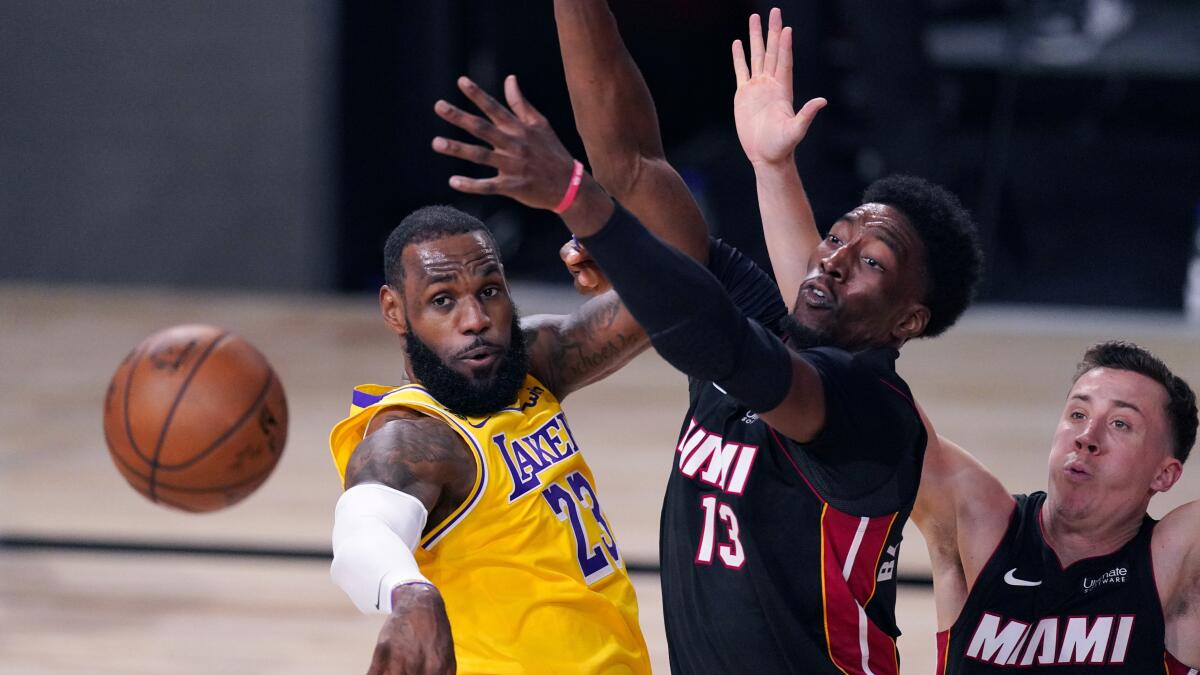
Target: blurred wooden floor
{"x":994,"y":383}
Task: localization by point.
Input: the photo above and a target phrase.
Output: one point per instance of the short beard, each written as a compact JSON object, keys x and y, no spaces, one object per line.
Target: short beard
{"x":461,"y":394}
{"x":800,"y":336}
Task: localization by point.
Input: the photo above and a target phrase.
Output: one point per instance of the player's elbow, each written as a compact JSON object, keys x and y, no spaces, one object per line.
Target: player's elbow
{"x":375,"y":529}
{"x":350,"y":573}
{"x":621,"y":172}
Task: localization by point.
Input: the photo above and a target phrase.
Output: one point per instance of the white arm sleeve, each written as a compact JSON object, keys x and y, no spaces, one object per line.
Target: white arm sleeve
{"x":375,"y":529}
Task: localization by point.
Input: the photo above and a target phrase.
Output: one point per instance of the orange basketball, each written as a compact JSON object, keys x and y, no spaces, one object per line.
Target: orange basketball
{"x":195,"y":418}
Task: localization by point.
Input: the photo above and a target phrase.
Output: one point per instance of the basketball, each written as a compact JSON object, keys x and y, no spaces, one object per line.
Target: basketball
{"x":195,"y":418}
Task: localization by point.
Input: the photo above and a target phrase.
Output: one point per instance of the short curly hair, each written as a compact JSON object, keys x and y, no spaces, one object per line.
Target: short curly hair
{"x":953,"y":261}
{"x":1181,"y":400}
{"x":425,"y":224}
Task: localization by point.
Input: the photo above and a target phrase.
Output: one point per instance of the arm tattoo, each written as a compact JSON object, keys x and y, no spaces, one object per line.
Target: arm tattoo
{"x":420,"y":455}
{"x":591,"y":344}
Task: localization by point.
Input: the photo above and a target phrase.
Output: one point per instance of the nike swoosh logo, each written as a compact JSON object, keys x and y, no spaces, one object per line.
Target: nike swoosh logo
{"x":1012,"y":580}
{"x":480,"y":425}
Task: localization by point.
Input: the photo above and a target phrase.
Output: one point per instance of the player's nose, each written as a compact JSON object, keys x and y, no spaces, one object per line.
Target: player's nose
{"x":835,"y":264}
{"x":473,"y":317}
{"x":1086,"y":439}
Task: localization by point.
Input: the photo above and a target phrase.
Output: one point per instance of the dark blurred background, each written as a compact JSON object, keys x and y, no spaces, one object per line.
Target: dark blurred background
{"x":274,"y":143}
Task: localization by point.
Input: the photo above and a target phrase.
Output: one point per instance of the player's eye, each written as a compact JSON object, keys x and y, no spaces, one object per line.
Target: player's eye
{"x":440,"y":301}
{"x":871,"y":262}
{"x":489,"y":292}
{"x":834,"y":239}
{"x":1076,"y":415}
{"x":1121,"y":424}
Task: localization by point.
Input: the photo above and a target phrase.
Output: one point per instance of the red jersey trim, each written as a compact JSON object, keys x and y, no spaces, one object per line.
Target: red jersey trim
{"x":943,"y":651}
{"x":1172,"y":666}
{"x":850,"y":548}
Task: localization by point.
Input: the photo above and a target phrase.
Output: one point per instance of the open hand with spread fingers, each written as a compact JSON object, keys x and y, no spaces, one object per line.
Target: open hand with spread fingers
{"x":767,"y":125}
{"x":532,"y":165}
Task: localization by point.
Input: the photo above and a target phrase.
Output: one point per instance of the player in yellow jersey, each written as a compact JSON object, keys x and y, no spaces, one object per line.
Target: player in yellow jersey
{"x":474,"y":467}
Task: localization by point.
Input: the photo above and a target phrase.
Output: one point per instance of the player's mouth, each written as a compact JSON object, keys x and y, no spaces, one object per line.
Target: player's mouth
{"x":481,"y":357}
{"x":1076,"y":472}
{"x":817,"y":295}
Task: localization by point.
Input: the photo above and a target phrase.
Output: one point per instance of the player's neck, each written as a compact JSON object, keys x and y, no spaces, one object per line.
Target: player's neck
{"x":1074,"y":537}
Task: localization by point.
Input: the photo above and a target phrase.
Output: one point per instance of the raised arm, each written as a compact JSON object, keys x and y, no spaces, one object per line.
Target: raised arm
{"x":565,"y":352}
{"x":616,"y":119}
{"x":409,"y":471}
{"x":691,"y":321}
{"x":1176,"y":547}
{"x":769,"y":130}
{"x":963,"y":512}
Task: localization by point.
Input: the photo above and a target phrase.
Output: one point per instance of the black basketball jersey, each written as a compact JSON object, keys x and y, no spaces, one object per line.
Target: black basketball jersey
{"x":1025,"y":611}
{"x":778,"y":556}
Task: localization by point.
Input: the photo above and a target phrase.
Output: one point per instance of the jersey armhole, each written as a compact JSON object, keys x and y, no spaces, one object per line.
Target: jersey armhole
{"x":1012,"y":519}
{"x":1162,"y":611}
{"x":460,"y":512}
{"x":391,"y":406}
{"x":436,"y":533}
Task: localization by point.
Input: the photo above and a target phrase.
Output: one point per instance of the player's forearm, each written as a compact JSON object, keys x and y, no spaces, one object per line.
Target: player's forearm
{"x":375,"y":530}
{"x":614,"y":112}
{"x":615,"y":117}
{"x":418,"y":597}
{"x":788,"y":225}
{"x":416,"y":637}
{"x":691,"y":321}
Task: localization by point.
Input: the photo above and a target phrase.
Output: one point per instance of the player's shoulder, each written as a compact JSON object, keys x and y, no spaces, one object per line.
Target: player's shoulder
{"x":402,"y":443}
{"x":867,"y":373}
{"x":877,"y":360}
{"x":1175,"y":550}
{"x":403,"y":430}
{"x":1179,"y":530}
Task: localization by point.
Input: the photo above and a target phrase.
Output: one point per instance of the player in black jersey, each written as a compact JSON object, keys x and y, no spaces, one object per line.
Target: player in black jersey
{"x":1078,"y":574}
{"x":797,"y":465}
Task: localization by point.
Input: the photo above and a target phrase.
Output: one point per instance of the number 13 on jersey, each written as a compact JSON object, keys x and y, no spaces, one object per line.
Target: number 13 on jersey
{"x":719,"y":516}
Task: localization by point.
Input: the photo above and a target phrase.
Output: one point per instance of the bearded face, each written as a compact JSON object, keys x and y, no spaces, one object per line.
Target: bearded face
{"x":478,"y":391}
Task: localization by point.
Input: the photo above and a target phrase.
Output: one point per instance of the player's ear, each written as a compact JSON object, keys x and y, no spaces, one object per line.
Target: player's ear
{"x":1168,"y":474}
{"x":391,"y":305}
{"x":912,"y":324}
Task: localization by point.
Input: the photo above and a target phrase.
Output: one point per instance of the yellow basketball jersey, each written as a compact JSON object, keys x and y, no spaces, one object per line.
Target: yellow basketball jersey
{"x":528,"y":565}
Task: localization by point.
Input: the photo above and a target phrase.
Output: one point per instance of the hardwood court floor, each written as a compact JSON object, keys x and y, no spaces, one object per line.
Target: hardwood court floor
{"x":994,"y":383}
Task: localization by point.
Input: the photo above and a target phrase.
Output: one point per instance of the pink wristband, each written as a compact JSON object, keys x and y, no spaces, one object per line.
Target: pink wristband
{"x":572,"y":188}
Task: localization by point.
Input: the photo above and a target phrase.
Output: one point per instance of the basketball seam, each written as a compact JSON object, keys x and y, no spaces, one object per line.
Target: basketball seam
{"x":125,"y":463}
{"x":210,"y":488}
{"x":179,"y":505}
{"x":125,"y":412}
{"x":162,"y":435}
{"x":259,"y":475}
{"x":258,"y":401}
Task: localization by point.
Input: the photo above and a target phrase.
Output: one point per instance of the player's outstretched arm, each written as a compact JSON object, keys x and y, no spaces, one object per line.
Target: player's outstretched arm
{"x":692,"y":322}
{"x":566,"y":352}
{"x":1176,"y":548}
{"x":615,"y":117}
{"x":963,"y":512}
{"x":409,"y":471}
{"x":769,"y":130}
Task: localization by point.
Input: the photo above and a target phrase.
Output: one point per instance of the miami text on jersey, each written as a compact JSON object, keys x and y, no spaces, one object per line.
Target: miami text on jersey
{"x":705,"y":455}
{"x":1099,"y":640}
